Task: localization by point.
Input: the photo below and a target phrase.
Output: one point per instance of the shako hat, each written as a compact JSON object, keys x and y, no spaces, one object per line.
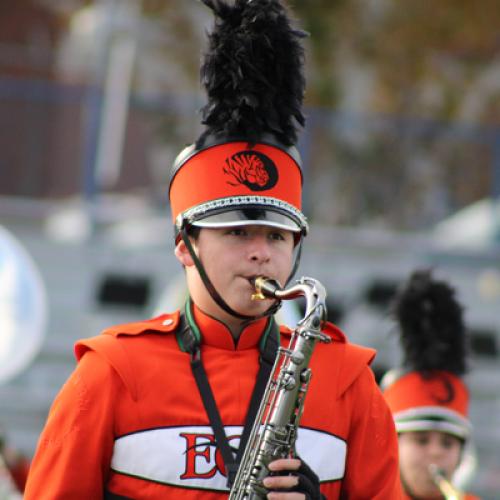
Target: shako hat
{"x":428,"y":392}
{"x":244,"y":168}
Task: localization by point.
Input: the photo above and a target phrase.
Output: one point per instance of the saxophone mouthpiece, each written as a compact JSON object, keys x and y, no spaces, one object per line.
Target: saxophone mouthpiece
{"x":265,"y":288}
{"x":447,"y":489}
{"x":435,"y":470}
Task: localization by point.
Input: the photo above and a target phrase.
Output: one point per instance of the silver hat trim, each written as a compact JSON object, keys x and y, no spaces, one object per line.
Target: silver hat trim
{"x":203,"y":209}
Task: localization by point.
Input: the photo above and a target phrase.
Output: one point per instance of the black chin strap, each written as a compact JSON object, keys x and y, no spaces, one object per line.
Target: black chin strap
{"x":215,"y":294}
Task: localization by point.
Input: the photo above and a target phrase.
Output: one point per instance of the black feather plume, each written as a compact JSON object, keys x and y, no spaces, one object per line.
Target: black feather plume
{"x":433,"y":334}
{"x":253,"y":72}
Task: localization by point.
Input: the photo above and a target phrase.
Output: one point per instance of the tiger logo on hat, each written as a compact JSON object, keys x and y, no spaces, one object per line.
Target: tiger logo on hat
{"x":253,"y":169}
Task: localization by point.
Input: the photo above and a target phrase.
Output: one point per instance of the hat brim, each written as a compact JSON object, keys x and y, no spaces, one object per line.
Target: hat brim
{"x":249,"y":217}
{"x":432,"y":418}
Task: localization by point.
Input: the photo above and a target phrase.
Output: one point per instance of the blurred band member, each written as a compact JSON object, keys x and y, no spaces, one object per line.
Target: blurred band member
{"x":427,"y":395}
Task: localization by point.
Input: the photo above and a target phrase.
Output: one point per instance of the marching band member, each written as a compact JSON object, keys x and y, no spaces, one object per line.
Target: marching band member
{"x":160,"y":408}
{"x":428,"y":396}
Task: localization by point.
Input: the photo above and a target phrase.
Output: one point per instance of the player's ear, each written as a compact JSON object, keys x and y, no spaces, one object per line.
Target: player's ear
{"x":182,"y":253}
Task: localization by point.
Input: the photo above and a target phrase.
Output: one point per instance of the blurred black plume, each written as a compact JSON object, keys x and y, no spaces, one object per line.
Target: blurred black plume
{"x":253,"y":72}
{"x":432,"y":329}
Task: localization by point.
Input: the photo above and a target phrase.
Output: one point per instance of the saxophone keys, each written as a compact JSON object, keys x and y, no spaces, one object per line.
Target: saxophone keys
{"x":297,"y":358}
{"x":305,"y":376}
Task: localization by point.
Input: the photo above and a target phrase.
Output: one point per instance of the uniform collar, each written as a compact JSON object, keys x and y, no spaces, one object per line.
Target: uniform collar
{"x":216,"y":334}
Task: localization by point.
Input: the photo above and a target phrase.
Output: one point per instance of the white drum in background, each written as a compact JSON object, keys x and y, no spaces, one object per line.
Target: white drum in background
{"x":23,"y":307}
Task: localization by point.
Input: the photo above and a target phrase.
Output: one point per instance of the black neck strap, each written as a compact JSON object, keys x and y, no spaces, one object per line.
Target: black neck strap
{"x":189,"y":338}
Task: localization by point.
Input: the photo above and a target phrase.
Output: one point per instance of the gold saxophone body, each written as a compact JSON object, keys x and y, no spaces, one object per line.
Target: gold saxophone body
{"x":274,"y":431}
{"x":445,"y":486}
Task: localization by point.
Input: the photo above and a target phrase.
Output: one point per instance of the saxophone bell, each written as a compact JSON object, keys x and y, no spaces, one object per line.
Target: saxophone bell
{"x":445,"y":486}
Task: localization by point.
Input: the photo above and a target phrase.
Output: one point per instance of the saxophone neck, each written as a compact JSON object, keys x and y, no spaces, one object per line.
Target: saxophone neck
{"x":312,"y":290}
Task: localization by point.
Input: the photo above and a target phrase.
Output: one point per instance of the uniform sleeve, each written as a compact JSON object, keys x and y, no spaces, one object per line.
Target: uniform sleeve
{"x":372,"y":468}
{"x":74,"y":450}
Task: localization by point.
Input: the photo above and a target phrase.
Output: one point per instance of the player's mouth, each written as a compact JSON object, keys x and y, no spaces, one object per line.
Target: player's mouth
{"x":251,"y":279}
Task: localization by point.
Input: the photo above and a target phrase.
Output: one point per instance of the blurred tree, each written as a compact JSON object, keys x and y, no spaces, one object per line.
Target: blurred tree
{"x":29,"y":34}
{"x":429,"y":56}
{"x":321,"y":20}
{"x":418,"y":64}
{"x":182,"y":23}
{"x":416,"y":57}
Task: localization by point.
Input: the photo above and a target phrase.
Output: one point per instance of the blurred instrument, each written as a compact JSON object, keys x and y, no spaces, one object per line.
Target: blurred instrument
{"x":23,"y":318}
{"x":445,"y":486}
{"x":23,"y":307}
{"x":274,"y":431}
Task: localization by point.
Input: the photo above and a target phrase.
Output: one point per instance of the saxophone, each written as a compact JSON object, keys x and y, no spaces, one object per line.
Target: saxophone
{"x":446,"y":488}
{"x":274,"y":430}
